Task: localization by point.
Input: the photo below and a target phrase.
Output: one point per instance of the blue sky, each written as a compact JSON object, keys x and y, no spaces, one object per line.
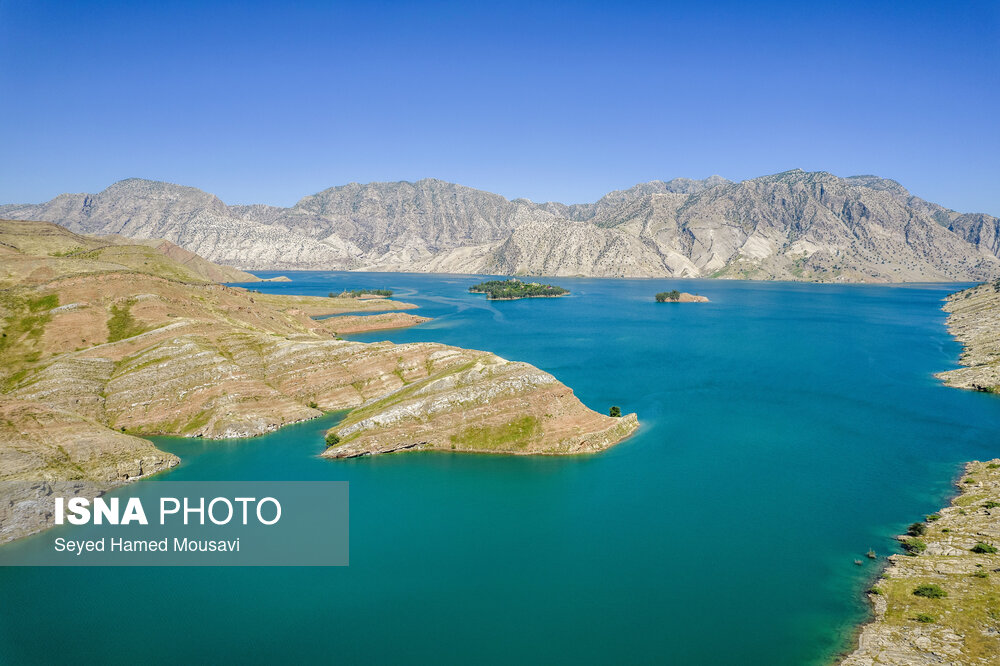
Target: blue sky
{"x":268,"y":102}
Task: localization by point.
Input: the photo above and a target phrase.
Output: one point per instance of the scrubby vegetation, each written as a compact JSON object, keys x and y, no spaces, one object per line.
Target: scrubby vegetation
{"x":917,"y":529}
{"x":332,"y":439}
{"x":514,"y":435}
{"x":122,"y":324}
{"x":668,"y":296}
{"x":514,"y":288}
{"x":914,"y":546}
{"x":615,"y":411}
{"x":984,"y":549}
{"x":929,"y":591}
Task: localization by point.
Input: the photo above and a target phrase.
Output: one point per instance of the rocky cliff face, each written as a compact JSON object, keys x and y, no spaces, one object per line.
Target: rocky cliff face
{"x":793,"y":225}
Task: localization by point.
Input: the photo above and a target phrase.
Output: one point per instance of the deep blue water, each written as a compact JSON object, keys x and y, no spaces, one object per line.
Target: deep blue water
{"x":786,"y":429}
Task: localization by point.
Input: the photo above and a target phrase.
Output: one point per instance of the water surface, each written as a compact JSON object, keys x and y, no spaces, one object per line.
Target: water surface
{"x":786,"y":429}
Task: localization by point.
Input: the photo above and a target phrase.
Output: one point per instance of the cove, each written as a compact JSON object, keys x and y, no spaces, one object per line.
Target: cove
{"x":786,"y":428}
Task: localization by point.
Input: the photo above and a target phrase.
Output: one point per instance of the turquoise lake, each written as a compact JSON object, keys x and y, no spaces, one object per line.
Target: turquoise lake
{"x":785,"y":430}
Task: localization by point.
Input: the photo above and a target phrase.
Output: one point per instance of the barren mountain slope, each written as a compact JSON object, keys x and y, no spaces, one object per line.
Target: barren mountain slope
{"x":793,"y":225}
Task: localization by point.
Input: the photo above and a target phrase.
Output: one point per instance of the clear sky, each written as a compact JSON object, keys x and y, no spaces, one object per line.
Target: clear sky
{"x":268,"y":102}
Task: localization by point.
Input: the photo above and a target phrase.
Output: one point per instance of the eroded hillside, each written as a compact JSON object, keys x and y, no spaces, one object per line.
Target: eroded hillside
{"x":104,"y":345}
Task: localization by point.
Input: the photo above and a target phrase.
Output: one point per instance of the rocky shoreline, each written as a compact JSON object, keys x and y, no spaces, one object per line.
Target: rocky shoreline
{"x":104,"y":345}
{"x":974,"y":320}
{"x":940,"y":602}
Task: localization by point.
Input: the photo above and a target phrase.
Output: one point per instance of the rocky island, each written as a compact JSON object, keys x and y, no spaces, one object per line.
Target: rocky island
{"x":105,"y":343}
{"x":363,"y":293}
{"x":679,"y":297}
{"x":509,"y":290}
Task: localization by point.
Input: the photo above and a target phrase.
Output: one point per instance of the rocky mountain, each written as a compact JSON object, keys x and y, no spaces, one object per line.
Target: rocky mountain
{"x":793,"y":225}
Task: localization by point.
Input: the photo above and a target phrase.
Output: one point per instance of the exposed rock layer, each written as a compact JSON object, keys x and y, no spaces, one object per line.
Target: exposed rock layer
{"x":468,"y":407}
{"x":101,"y":342}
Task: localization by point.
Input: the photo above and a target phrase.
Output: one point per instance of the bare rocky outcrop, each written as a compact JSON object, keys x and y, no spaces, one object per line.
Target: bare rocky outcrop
{"x":974,"y":319}
{"x":347,"y":324}
{"x":794,"y":225}
{"x":43,"y":450}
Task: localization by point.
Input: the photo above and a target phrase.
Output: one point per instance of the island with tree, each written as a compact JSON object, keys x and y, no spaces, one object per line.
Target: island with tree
{"x":363,"y":293}
{"x":679,"y":297}
{"x":508,"y":290}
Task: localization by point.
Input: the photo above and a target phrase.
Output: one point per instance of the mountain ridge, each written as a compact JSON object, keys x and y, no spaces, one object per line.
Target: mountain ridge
{"x":794,"y":225}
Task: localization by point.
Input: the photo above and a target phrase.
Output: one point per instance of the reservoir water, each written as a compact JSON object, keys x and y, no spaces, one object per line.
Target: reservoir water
{"x":786,"y":429}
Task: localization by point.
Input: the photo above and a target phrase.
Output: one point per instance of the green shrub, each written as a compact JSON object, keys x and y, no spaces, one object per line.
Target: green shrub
{"x":981,"y":573}
{"x":924,"y":618}
{"x":984,"y":549}
{"x":665,"y":296}
{"x":993,"y":466}
{"x":929,"y":591}
{"x":917,"y":529}
{"x":332,"y":439}
{"x":312,"y":404}
{"x":969,"y":480}
{"x":122,"y":324}
{"x":932,"y":517}
{"x":615,"y":411}
{"x":990,"y":504}
{"x":876,"y":591}
{"x":914,"y":546}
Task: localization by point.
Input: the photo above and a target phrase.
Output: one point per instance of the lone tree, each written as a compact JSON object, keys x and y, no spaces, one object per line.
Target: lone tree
{"x":616,"y":411}
{"x":332,"y":439}
{"x":665,"y":296}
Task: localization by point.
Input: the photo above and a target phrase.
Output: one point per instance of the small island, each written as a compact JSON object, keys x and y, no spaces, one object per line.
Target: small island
{"x":679,"y":297}
{"x":363,"y":293}
{"x":508,"y":290}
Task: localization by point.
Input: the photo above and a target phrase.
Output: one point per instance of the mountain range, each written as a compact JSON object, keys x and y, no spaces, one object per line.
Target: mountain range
{"x":794,"y":225}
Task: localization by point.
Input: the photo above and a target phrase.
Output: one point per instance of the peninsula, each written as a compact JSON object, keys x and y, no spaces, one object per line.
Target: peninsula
{"x":974,"y":320}
{"x":105,"y":343}
{"x":512,"y":289}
